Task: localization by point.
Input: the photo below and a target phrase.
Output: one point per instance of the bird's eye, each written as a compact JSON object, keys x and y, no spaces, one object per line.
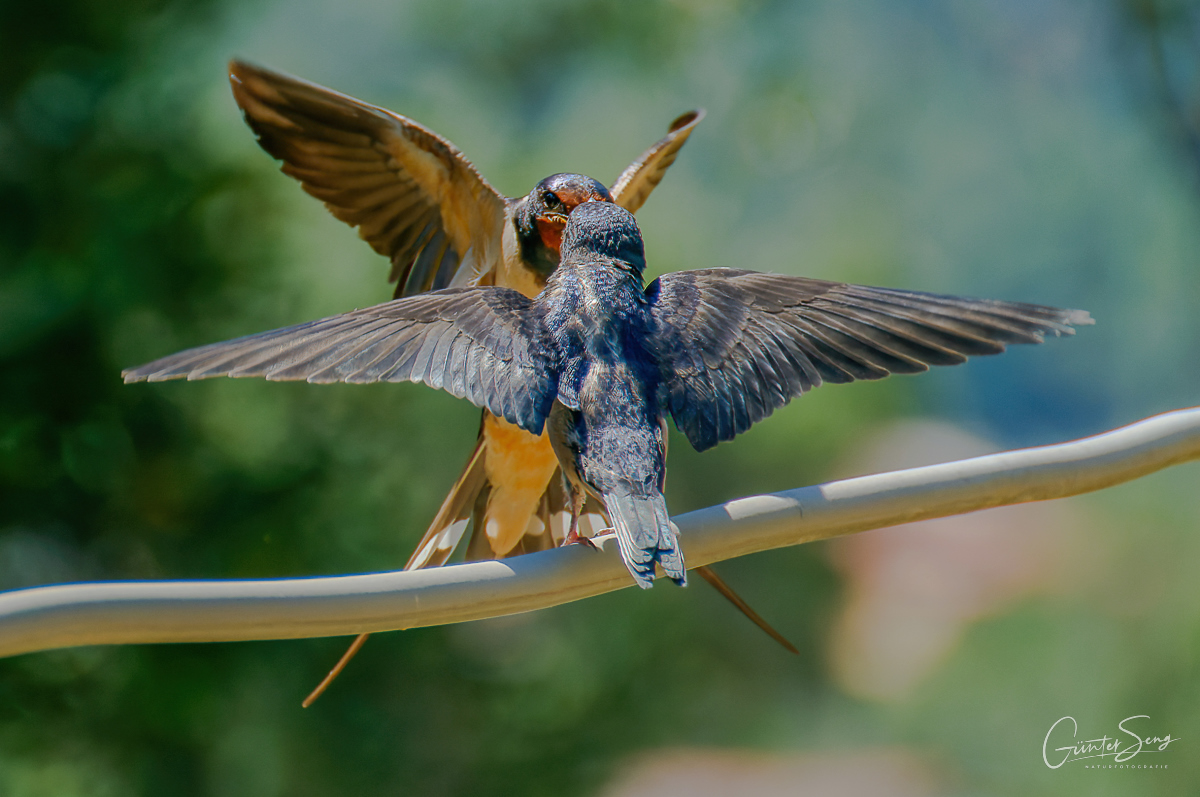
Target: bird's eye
{"x":550,"y":200}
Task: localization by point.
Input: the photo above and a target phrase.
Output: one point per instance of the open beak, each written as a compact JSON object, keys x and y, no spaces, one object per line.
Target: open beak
{"x":551,"y":222}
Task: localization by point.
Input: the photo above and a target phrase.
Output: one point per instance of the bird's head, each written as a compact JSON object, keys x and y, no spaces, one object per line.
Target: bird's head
{"x":608,"y":230}
{"x":543,"y":215}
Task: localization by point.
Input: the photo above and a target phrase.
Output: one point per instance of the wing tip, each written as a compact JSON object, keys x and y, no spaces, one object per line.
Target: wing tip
{"x":240,"y":70}
{"x":687,"y":119}
{"x":1078,"y":318}
{"x":1064,"y":325}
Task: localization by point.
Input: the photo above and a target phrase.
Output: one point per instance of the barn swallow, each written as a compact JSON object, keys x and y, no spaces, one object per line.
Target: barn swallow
{"x":602,"y":361}
{"x":419,"y":202}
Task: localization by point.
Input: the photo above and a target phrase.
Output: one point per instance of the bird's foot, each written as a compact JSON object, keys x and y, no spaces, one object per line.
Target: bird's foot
{"x":575,"y":538}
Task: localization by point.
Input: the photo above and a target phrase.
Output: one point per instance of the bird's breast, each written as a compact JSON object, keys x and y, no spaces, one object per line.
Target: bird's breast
{"x":512,"y":271}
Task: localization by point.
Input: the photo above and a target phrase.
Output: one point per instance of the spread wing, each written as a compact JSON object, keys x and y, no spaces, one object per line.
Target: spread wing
{"x":637,"y":181}
{"x":737,"y":345}
{"x":411,"y":193}
{"x":481,"y":344}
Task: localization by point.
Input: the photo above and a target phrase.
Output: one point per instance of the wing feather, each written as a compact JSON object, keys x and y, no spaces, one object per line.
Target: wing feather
{"x":736,"y":345}
{"x":376,"y":170}
{"x":483,"y":344}
{"x":634,"y":185}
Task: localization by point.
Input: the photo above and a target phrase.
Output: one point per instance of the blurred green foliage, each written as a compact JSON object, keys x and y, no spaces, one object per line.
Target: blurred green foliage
{"x":1015,"y":151}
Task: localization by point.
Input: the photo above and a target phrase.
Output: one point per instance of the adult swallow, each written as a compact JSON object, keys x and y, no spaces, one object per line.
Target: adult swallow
{"x":603,"y":361}
{"x":419,"y":202}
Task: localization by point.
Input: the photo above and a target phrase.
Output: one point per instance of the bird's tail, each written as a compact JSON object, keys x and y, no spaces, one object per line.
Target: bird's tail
{"x":645,"y":536}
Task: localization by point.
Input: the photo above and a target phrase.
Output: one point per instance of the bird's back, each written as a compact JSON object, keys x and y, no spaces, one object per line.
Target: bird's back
{"x":596,"y":311}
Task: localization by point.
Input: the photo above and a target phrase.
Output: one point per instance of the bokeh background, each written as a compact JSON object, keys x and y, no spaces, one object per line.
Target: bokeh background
{"x":1041,"y":151}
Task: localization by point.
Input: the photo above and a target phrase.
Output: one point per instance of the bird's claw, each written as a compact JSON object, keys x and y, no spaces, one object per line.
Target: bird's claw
{"x":574,"y":538}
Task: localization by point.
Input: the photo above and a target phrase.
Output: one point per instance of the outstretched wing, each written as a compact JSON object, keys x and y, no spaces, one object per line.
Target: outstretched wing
{"x":639,"y":178}
{"x":411,"y":193}
{"x":737,"y":345}
{"x":481,"y":344}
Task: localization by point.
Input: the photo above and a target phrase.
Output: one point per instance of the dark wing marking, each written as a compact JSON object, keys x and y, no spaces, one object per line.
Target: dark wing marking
{"x":481,"y":344}
{"x":411,"y":193}
{"x":639,"y":178}
{"x":736,"y":345}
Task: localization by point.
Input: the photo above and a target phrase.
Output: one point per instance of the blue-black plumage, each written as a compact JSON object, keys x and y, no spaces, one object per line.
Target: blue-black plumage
{"x":603,"y":361}
{"x":607,"y":427}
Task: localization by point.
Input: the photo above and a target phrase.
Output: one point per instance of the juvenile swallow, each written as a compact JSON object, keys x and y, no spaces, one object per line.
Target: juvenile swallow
{"x":603,"y":360}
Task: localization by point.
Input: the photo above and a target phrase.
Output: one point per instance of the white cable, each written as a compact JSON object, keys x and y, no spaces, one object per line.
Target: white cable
{"x":41,"y":618}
